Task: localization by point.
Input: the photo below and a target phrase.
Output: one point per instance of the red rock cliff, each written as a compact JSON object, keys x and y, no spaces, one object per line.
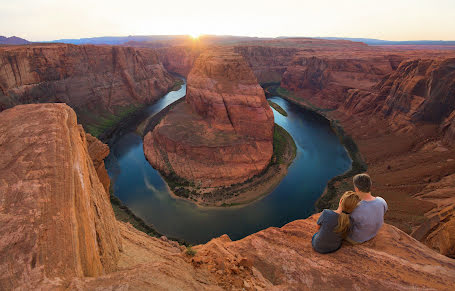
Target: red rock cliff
{"x":56,"y":218}
{"x":223,"y":134}
{"x":58,"y":232}
{"x":92,"y":80}
{"x":325,"y":79}
{"x":419,"y":91}
{"x":179,"y":59}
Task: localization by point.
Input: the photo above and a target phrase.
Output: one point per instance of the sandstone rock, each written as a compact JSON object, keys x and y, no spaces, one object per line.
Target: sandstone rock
{"x":179,"y":59}
{"x":438,"y":231}
{"x":98,"y":152}
{"x":56,"y":220}
{"x":223,"y":134}
{"x":58,"y":232}
{"x":317,"y":77}
{"x":93,"y":80}
{"x":224,"y":91}
{"x":267,"y":62}
{"x":284,"y":259}
{"x":423,"y":90}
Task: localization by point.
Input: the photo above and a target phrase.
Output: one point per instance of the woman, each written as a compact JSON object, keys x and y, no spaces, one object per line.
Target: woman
{"x":334,"y":226}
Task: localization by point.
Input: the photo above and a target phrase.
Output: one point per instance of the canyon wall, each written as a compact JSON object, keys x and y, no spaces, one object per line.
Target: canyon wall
{"x":57,"y":221}
{"x":403,"y":126}
{"x":96,"y":81}
{"x":179,"y":59}
{"x":59,"y":232}
{"x":267,"y":62}
{"x":223,"y":134}
{"x":316,"y":77}
{"x":418,"y":91}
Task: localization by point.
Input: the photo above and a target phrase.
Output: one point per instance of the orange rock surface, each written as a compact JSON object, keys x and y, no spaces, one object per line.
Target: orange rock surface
{"x":57,"y":221}
{"x":179,"y":59}
{"x":91,"y":79}
{"x":404,"y":128}
{"x":223,"y":134}
{"x":59,"y":232}
{"x":98,"y":151}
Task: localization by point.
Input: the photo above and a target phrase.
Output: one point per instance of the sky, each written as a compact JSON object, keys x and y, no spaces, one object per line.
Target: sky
{"x":44,"y":20}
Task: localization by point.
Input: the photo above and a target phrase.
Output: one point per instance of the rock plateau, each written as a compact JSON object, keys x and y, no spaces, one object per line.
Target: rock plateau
{"x":223,"y":133}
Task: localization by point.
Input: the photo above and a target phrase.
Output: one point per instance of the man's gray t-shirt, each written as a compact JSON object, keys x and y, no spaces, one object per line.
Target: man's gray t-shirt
{"x":367,"y":219}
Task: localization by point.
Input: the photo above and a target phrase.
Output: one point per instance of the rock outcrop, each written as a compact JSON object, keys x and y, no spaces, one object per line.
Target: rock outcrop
{"x":267,"y":62}
{"x":96,"y":81}
{"x":317,"y":77}
{"x":403,"y":126}
{"x":98,"y":151}
{"x":419,"y":91}
{"x":223,"y":134}
{"x":179,"y":59}
{"x":57,"y":221}
{"x":283,"y":259}
{"x":59,"y":232}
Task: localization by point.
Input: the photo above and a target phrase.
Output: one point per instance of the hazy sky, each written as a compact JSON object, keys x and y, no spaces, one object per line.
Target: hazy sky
{"x":387,"y":19}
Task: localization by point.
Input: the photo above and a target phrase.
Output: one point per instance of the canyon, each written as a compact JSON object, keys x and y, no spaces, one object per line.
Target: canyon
{"x":397,"y":104}
{"x":101,"y":83}
{"x":222,"y":134}
{"x":53,"y":199}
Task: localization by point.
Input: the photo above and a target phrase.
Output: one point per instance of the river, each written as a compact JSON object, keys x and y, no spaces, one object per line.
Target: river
{"x":320,"y":157}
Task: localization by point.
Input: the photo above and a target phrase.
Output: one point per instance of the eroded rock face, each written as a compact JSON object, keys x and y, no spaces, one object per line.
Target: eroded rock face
{"x":98,"y":151}
{"x":283,"y":258}
{"x":423,"y":90}
{"x":325,"y":79}
{"x":56,"y":218}
{"x":223,"y":134}
{"x":179,"y":59}
{"x":267,"y":62}
{"x":93,"y":80}
{"x":58,"y":232}
{"x":419,"y":91}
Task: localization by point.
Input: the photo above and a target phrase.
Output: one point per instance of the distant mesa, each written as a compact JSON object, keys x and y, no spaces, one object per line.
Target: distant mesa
{"x":222,"y":135}
{"x":13,"y":40}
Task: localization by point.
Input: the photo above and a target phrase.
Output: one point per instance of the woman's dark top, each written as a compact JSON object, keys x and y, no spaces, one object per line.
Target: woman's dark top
{"x":326,"y":240}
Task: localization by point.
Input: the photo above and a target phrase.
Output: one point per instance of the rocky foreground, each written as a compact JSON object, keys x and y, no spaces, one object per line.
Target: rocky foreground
{"x":59,"y":232}
{"x":223,"y":134}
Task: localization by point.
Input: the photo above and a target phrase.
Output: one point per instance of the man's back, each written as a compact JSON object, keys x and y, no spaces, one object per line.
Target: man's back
{"x":367,"y":219}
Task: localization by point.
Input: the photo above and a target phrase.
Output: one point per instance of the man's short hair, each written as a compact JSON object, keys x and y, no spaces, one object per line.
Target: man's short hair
{"x":362,"y":182}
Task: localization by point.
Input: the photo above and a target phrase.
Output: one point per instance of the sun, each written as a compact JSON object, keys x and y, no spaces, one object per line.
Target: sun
{"x":194,"y":35}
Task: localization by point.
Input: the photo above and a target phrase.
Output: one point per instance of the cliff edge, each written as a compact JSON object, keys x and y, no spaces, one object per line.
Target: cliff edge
{"x":59,"y":232}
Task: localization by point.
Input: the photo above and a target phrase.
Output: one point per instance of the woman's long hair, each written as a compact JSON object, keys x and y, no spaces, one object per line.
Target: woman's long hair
{"x":349,"y":202}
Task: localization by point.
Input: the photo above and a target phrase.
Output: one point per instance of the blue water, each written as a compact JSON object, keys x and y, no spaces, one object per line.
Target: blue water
{"x":320,"y":156}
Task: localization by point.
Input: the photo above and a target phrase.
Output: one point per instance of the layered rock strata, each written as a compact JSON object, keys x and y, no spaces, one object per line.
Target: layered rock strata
{"x":223,"y":134}
{"x":93,"y":80}
{"x":419,"y":91}
{"x":179,"y":59}
{"x":57,"y":221}
{"x":404,"y":128}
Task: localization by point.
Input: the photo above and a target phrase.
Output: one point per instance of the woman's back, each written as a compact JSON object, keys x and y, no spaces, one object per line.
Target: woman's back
{"x":326,"y":240}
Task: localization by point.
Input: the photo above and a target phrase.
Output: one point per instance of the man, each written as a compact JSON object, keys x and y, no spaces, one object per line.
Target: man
{"x":368,"y":217}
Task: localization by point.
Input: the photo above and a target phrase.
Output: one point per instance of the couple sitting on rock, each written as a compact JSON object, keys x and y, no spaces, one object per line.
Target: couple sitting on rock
{"x":358,"y":218}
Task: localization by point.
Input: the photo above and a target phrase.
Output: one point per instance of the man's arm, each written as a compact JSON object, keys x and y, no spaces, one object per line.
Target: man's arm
{"x":386,"y":207}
